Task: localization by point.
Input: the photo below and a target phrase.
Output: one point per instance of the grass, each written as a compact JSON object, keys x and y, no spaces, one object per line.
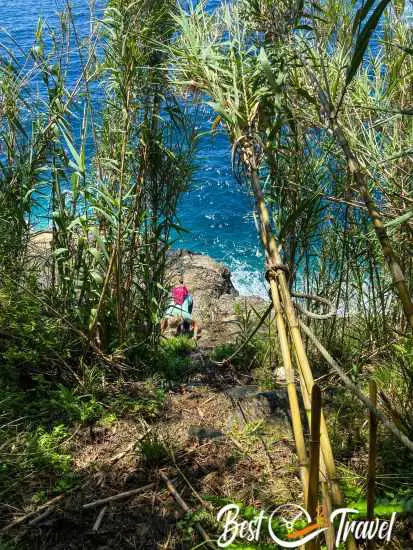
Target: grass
{"x":153,"y":450}
{"x":173,"y":360}
{"x":80,"y":334}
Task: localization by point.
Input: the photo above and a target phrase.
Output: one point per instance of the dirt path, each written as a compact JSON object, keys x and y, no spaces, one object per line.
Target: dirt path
{"x":215,"y":440}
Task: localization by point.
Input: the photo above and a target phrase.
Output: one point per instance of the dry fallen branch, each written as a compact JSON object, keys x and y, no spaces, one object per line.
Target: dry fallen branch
{"x":118,"y":496}
{"x":99,"y":519}
{"x":205,"y":504}
{"x":21,"y":519}
{"x":40,"y":518}
{"x":123,"y":453}
{"x":185,"y":508}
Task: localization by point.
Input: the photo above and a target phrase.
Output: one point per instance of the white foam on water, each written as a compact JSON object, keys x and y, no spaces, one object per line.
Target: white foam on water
{"x":248,"y":282}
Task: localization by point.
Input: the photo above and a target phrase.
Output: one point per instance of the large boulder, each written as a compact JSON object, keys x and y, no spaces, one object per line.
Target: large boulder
{"x":204,"y":276}
{"x":215,"y":297}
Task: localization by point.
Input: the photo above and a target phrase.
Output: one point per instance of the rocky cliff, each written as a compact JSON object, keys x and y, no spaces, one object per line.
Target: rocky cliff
{"x":215,"y":297}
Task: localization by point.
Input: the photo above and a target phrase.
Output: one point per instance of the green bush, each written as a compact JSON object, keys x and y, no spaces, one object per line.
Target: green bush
{"x":153,"y":450}
{"x":395,"y":376}
{"x":172,"y":360}
{"x":44,"y":449}
{"x":40,"y":450}
{"x":84,"y":408}
{"x":31,"y":340}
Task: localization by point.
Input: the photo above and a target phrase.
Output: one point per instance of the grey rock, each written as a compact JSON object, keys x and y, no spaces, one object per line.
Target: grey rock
{"x":203,"y":433}
{"x":215,"y":297}
{"x":251,"y":405}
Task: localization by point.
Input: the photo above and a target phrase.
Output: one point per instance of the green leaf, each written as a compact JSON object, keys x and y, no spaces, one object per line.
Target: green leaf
{"x":361,"y":15}
{"x":400,"y":219}
{"x":302,"y":92}
{"x":179,"y":228}
{"x":402,"y":154}
{"x":363,"y":39}
{"x":97,"y":254}
{"x":60,"y":251}
{"x":305,"y":27}
{"x":268,"y":71}
{"x":79,"y":163}
{"x":317,"y":7}
{"x":218,"y":107}
{"x":97,"y":277}
{"x":404,"y":49}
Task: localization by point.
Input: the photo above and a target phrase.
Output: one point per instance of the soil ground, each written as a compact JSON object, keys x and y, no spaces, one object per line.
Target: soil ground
{"x":215,"y":439}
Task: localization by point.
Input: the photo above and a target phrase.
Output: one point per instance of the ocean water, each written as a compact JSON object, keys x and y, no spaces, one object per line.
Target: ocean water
{"x":216,"y":211}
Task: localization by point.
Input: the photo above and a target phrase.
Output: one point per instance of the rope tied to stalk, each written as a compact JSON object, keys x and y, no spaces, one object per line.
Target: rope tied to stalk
{"x":272,"y":272}
{"x":332,"y":312}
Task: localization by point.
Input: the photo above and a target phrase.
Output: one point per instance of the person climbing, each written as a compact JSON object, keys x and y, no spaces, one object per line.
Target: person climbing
{"x":179,"y":312}
{"x":181,"y":297}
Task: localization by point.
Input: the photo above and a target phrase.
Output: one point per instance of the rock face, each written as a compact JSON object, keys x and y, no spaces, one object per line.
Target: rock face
{"x":215,"y":298}
{"x":203,"y":274}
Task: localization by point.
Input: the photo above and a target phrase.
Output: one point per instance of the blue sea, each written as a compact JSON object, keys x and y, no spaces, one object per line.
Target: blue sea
{"x":216,"y":211}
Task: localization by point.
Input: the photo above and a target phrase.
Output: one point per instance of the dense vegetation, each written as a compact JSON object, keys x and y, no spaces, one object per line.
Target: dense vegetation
{"x":316,"y":99}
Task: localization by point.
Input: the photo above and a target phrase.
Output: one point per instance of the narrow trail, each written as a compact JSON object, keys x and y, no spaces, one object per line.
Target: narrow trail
{"x":215,"y":439}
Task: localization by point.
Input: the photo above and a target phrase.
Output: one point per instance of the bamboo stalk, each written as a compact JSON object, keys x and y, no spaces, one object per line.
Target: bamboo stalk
{"x":371,"y":475}
{"x":327,"y":501}
{"x":399,"y":279}
{"x":269,"y":243}
{"x":297,"y":426}
{"x":271,"y":247}
{"x":327,"y":507}
{"x":314,"y":460}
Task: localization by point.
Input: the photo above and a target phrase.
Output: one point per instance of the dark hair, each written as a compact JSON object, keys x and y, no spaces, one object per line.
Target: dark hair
{"x":184,"y":327}
{"x":181,"y":279}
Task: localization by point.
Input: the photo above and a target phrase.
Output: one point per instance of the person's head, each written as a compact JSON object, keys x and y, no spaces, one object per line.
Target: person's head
{"x":181,"y":279}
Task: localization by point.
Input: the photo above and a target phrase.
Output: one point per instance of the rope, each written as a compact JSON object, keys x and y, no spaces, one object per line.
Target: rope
{"x":336,"y":367}
{"x":347,"y":382}
{"x":322,"y":316}
{"x":272,"y":272}
{"x":252,"y":334}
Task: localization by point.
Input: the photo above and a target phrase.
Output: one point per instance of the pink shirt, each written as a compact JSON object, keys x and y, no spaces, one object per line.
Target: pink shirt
{"x":179,"y":293}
